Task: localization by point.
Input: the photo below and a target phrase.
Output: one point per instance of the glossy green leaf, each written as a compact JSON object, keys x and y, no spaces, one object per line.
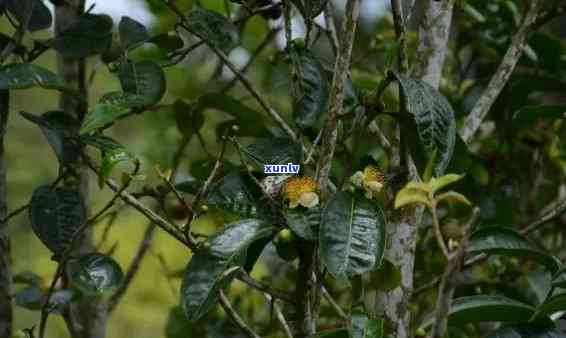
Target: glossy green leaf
{"x":213,"y":28}
{"x":40,"y":17}
{"x":205,"y":273}
{"x":100,"y":142}
{"x":30,"y":298}
{"x":94,"y":274}
{"x":274,"y":150}
{"x":55,"y":215}
{"x":132,"y":33}
{"x":452,"y":196}
{"x":304,"y":222}
{"x":486,"y":308}
{"x":434,"y":118}
{"x":27,"y":75}
{"x":528,"y":330}
{"x":310,"y":87}
{"x":504,"y":241}
{"x":365,"y":327}
{"x":111,"y":107}
{"x":552,"y":305}
{"x":59,"y":129}
{"x":526,"y":116}
{"x":235,"y":192}
{"x":143,"y":78}
{"x":352,"y":235}
{"x":437,"y":183}
{"x":91,"y":34}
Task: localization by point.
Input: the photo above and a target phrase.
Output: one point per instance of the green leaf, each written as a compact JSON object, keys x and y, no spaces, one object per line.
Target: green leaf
{"x":205,"y":273}
{"x":526,"y":116}
{"x":111,"y":107}
{"x":27,"y":75}
{"x":453,"y":197}
{"x":274,"y":150}
{"x":364,"y":327}
{"x":40,"y":17}
{"x":310,"y":88}
{"x":552,"y":305}
{"x":27,"y":277}
{"x":169,"y":43}
{"x":101,"y":142}
{"x":30,"y":298}
{"x":504,"y":241}
{"x":235,"y":192}
{"x":111,"y":159}
{"x":437,"y":183}
{"x":59,"y":129}
{"x":143,"y":78}
{"x":188,"y":119}
{"x":91,"y":34}
{"x":409,"y":195}
{"x":486,"y":308}
{"x":94,"y":274}
{"x":434,"y":118}
{"x":304,"y":222}
{"x":310,"y":9}
{"x":528,"y":330}
{"x":559,"y":279}
{"x":352,"y":235}
{"x":213,"y":28}
{"x":55,"y":215}
{"x":132,"y":33}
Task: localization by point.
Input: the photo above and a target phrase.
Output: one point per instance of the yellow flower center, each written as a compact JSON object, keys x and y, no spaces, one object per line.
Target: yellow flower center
{"x":300,"y":191}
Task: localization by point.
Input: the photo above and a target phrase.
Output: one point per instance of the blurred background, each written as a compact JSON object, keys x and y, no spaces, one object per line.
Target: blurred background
{"x":148,"y":310}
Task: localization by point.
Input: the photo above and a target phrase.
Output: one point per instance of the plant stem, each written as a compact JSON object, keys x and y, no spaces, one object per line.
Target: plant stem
{"x":438,"y":233}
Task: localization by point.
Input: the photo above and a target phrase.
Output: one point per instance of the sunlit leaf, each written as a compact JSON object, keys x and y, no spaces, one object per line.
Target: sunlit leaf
{"x":408,"y":196}
{"x":111,"y":107}
{"x":437,"y":183}
{"x":453,"y":196}
{"x":27,"y":75}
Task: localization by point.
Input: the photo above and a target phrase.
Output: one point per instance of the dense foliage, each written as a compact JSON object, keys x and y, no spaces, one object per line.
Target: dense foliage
{"x":429,"y":200}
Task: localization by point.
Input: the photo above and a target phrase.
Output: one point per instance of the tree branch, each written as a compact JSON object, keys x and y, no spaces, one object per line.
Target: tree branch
{"x":503,"y":73}
{"x":447,"y":283}
{"x":234,"y":316}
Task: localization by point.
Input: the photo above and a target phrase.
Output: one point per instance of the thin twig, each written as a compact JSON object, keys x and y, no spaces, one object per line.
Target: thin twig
{"x":503,"y":73}
{"x":234,"y":315}
{"x":335,"y":105}
{"x":334,"y":304}
{"x":246,"y":278}
{"x":448,"y":281}
{"x":14,"y":213}
{"x":279,"y":315}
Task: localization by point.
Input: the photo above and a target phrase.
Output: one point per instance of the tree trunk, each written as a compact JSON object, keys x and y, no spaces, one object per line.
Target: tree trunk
{"x":434,"y":32}
{"x":86,"y":318}
{"x":5,"y":258}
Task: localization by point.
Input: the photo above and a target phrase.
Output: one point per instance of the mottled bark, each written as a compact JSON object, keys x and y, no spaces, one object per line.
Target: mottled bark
{"x":5,"y":257}
{"x":86,"y":318}
{"x":434,"y":32}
